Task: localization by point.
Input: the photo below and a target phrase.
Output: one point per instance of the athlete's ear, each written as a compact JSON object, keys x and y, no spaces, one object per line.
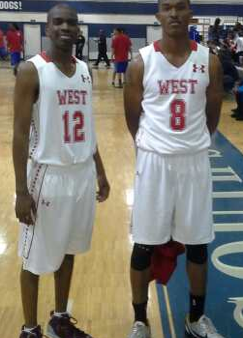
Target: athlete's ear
{"x":191,"y":14}
{"x":47,"y":30}
{"x":158,"y":17}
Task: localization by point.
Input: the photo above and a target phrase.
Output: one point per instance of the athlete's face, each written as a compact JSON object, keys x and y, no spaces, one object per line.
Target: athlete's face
{"x":174,"y":16}
{"x":62,"y":28}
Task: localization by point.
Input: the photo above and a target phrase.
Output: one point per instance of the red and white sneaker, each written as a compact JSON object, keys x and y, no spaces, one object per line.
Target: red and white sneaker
{"x":64,"y":327}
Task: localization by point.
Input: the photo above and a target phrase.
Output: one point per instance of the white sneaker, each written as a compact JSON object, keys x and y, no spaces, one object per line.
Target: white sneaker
{"x":140,"y":330}
{"x":203,"y":328}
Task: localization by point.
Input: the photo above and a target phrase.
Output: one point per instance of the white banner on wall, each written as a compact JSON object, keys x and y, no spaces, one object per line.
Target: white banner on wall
{"x":11,"y":5}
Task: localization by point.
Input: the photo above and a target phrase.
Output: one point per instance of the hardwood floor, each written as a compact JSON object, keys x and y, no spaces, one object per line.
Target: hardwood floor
{"x":100,"y":297}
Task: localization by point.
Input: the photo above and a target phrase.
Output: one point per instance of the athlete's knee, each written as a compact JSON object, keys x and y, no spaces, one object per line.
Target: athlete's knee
{"x":197,"y":254}
{"x":141,"y":256}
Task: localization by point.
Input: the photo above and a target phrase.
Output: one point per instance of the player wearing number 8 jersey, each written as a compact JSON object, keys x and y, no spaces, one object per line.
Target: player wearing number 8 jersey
{"x":56,"y":178}
{"x":172,"y":100}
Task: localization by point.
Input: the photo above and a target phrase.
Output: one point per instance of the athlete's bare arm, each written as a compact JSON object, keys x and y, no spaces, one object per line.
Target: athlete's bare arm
{"x":214,"y":93}
{"x":103,"y":184}
{"x":133,"y":94}
{"x":25,"y":95}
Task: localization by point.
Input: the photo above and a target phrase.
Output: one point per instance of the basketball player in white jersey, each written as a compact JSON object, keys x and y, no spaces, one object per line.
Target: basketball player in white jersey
{"x":55,"y":170}
{"x":173,"y":97}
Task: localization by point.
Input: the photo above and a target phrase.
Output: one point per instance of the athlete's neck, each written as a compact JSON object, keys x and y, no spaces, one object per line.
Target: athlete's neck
{"x":177,"y":46}
{"x":60,"y":57}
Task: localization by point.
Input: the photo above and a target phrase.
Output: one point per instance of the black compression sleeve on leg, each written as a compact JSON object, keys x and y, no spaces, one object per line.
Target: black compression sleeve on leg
{"x":141,"y":256}
{"x":197,"y":254}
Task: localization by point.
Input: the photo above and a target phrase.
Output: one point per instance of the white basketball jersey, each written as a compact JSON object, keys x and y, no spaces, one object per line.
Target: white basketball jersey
{"x":174,"y":102}
{"x":62,"y":126}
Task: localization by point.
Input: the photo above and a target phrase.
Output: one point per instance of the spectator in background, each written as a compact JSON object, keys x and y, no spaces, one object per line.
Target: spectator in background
{"x":238,"y":28}
{"x":238,"y":41}
{"x":213,"y":48}
{"x":121,"y":47}
{"x":230,"y":73}
{"x":14,"y":40}
{"x":194,"y":34}
{"x":214,"y":31}
{"x":102,"y":49}
{"x":3,"y":51}
{"x":113,"y":35}
{"x":238,"y":111}
{"x":80,"y":45}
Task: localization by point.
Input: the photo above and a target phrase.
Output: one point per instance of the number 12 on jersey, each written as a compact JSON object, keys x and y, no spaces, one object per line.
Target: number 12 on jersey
{"x":73,"y":124}
{"x":178,"y":112}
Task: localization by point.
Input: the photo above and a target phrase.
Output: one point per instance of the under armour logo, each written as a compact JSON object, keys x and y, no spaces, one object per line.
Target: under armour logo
{"x":199,"y":69}
{"x":85,"y":78}
{"x":46,"y":203}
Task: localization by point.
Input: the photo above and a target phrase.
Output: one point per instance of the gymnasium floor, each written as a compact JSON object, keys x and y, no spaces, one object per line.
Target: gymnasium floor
{"x":100,"y":295}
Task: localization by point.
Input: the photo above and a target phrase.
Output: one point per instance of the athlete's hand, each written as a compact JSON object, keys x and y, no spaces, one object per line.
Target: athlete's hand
{"x":104,"y":188}
{"x":25,"y":208}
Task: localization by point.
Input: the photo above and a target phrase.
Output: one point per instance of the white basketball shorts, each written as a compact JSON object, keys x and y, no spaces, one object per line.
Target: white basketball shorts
{"x":65,"y":201}
{"x":172,"y":199}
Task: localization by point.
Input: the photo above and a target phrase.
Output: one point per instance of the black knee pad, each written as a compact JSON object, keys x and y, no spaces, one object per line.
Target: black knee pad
{"x":197,"y":254}
{"x":141,"y":256}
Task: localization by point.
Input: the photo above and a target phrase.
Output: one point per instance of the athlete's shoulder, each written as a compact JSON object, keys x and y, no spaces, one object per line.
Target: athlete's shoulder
{"x":197,"y":47}
{"x":148,"y":49}
{"x":39,"y":60}
{"x":81,"y":64}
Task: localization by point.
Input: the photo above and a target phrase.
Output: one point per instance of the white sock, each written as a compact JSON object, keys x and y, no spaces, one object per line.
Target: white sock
{"x":59,"y":314}
{"x":29,"y":329}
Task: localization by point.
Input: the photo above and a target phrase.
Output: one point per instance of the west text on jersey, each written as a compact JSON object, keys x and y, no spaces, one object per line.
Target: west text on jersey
{"x":177,"y":86}
{"x":69,"y":96}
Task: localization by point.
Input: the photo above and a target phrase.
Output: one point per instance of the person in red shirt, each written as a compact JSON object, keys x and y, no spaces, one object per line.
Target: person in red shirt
{"x":113,"y":35}
{"x":121,"y":47}
{"x":3,"y":52}
{"x":14,"y":39}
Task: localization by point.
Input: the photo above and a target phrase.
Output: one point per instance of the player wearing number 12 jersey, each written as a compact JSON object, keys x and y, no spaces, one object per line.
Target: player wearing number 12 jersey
{"x":172,"y":100}
{"x":56,"y":177}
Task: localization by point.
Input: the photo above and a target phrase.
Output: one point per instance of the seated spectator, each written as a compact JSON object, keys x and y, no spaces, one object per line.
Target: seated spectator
{"x":238,"y":111}
{"x":238,"y":47}
{"x":230,"y":73}
{"x":213,"y":48}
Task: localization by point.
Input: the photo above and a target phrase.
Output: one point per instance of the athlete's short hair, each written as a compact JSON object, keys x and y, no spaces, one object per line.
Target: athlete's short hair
{"x":161,"y":1}
{"x":50,"y":12}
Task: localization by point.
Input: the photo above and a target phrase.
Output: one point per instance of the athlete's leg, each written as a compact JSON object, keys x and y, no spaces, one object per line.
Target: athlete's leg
{"x":197,"y":275}
{"x":140,"y":278}
{"x":62,"y":283}
{"x":29,"y":294}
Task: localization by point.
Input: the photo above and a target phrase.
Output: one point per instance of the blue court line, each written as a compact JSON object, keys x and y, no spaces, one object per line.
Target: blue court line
{"x":225,"y":288}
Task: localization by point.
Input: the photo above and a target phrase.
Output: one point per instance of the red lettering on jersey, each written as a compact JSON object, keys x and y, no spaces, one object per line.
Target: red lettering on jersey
{"x":62,"y":96}
{"x":83,"y":94}
{"x":183,"y":85}
{"x":70,"y":97}
{"x":76,"y":97}
{"x":163,"y":87}
{"x":192,"y":83}
{"x":175,"y":86}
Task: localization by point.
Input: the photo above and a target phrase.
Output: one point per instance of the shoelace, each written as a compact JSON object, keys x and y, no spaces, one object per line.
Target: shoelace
{"x":68,"y":325}
{"x":136,"y":327}
{"x":208,"y":325}
{"x":34,"y":335}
